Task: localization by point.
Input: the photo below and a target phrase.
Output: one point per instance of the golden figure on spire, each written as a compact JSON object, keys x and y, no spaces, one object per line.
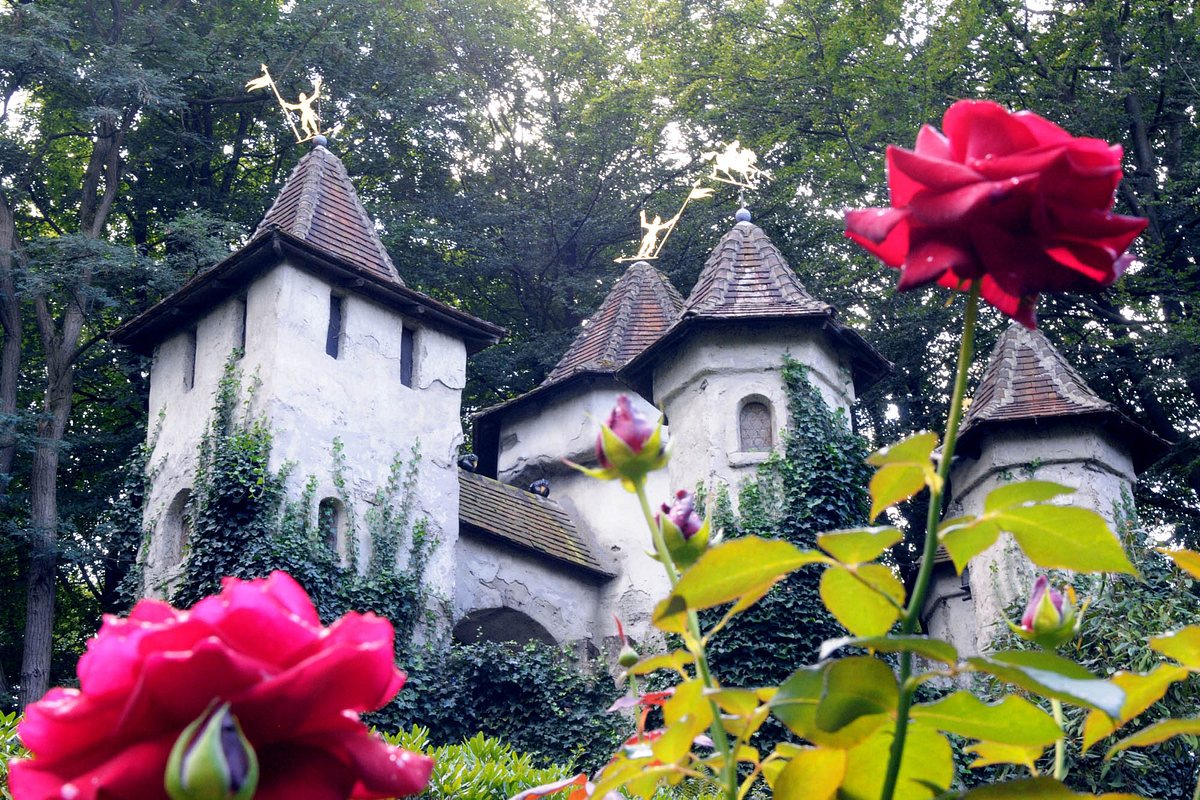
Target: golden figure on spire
{"x":310,"y":122}
{"x":657,"y":232}
{"x":734,"y":165}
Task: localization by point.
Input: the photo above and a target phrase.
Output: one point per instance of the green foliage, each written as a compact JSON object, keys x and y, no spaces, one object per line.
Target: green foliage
{"x":243,"y":525}
{"x":10,"y":748}
{"x":537,"y":698}
{"x":817,"y":484}
{"x":1124,"y":614}
{"x":480,"y":768}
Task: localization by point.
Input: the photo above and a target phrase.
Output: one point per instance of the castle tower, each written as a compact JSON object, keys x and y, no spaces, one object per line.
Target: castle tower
{"x":716,"y":372}
{"x":340,"y":351}
{"x":1032,"y":417}
{"x":527,"y":438}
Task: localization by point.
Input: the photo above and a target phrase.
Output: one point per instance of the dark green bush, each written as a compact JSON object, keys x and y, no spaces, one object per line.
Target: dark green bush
{"x":537,"y":698}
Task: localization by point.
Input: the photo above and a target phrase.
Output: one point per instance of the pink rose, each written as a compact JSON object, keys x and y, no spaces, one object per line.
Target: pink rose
{"x":295,"y":688}
{"x":1010,"y":200}
{"x":629,"y":426}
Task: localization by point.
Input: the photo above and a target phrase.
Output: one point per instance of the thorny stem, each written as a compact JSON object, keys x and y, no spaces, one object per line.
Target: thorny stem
{"x":1060,"y":766}
{"x":908,"y":623}
{"x":720,"y":740}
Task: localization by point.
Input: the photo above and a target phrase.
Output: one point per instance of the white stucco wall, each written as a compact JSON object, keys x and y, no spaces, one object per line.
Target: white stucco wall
{"x":310,"y":398}
{"x":702,"y":384}
{"x":1084,"y":456}
{"x":534,"y":440}
{"x":559,"y":598}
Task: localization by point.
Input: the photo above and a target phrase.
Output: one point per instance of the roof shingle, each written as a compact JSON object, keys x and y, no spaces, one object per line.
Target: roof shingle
{"x":523,"y":519}
{"x":747,"y":276}
{"x":641,"y":305}
{"x":1027,"y":378}
{"x":318,"y":204}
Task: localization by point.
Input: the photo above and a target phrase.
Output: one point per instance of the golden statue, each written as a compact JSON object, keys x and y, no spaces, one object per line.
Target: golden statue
{"x":735,"y":166}
{"x":657,"y":231}
{"x":310,"y":122}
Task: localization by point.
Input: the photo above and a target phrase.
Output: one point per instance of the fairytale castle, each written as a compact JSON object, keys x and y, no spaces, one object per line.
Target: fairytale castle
{"x":342,"y":350}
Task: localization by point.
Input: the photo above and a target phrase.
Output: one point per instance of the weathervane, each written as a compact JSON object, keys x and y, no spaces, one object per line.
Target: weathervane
{"x":310,"y":123}
{"x":734,"y":165}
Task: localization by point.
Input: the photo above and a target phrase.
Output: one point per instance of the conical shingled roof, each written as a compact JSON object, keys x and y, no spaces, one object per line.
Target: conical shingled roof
{"x":318,"y":204}
{"x":1027,"y":379}
{"x":747,"y":276}
{"x":640,"y":307}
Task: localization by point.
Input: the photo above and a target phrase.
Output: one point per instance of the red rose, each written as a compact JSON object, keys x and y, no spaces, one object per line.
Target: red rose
{"x":294,"y":686}
{"x":1010,"y":200}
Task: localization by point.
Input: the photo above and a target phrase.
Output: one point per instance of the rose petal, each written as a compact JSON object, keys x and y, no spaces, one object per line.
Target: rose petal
{"x":133,"y":771}
{"x":287,"y":772}
{"x":912,"y":172}
{"x":862,"y":225}
{"x":931,"y":143}
{"x":999,"y":201}
{"x":382,"y":770}
{"x":929,"y":260}
{"x":979,"y":128}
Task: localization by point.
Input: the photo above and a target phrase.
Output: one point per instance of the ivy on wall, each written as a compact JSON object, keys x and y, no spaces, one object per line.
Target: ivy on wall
{"x":817,"y":483}
{"x":243,"y":524}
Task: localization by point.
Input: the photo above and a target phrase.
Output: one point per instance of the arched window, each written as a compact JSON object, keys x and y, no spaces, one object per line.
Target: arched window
{"x":331,"y":523}
{"x":754,"y":427}
{"x":177,"y":528}
{"x":500,"y":625}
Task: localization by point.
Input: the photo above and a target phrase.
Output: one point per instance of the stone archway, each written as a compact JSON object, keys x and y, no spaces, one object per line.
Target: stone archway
{"x":501,"y":625}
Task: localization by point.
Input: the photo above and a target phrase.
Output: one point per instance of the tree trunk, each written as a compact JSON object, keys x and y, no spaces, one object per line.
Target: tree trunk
{"x":43,"y":522}
{"x":10,"y":350}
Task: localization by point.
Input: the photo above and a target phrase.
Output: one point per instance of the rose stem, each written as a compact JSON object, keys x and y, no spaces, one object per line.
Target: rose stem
{"x":729,"y":771}
{"x":908,"y":624}
{"x":1060,"y":767}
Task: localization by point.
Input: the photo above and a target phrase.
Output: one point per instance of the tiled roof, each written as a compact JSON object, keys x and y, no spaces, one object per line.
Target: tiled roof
{"x":1027,"y":378}
{"x":747,"y":280}
{"x":318,"y":204}
{"x":523,"y":519}
{"x":747,"y":276}
{"x":641,"y":305}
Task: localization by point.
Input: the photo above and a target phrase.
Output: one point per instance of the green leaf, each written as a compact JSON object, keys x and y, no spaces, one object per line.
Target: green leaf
{"x":966,"y":537}
{"x":676,"y":661}
{"x":855,"y":687}
{"x":812,"y":774}
{"x":1156,"y":733}
{"x":858,"y":545}
{"x":1022,"y":493}
{"x":1186,"y":560}
{"x":739,"y":702}
{"x":1065,"y":537}
{"x":989,"y":754}
{"x":932,"y":649}
{"x":1012,"y":721}
{"x":1141,"y":692}
{"x":927,"y":763}
{"x":1052,"y":676}
{"x":795,"y":705}
{"x":1183,"y":646}
{"x":732,"y":569}
{"x":905,"y":468}
{"x":864,"y":612}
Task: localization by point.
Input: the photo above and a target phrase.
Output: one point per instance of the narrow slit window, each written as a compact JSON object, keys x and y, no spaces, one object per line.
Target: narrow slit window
{"x":189,"y":360}
{"x":333,"y":337}
{"x":406,"y":356}
{"x":331,"y":524}
{"x":754,"y":427}
{"x":240,"y":311}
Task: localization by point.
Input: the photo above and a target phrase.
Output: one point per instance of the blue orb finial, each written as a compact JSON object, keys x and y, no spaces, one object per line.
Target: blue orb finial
{"x":742,"y":215}
{"x":320,"y":141}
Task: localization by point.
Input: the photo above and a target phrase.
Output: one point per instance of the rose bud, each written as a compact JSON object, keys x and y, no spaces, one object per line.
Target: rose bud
{"x":686,"y":534}
{"x":212,"y":760}
{"x":628,"y":656}
{"x":628,"y":445}
{"x":1051,"y":618}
